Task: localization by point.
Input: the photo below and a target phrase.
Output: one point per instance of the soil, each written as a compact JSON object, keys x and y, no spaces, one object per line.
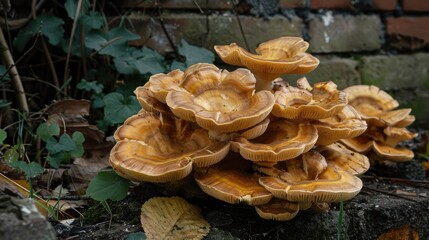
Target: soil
{"x":384,"y":204}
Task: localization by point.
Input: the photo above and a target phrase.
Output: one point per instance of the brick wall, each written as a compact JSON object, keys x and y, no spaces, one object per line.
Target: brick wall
{"x":381,"y":42}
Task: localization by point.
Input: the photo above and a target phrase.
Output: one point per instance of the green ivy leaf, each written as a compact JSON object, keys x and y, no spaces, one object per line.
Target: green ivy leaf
{"x":3,"y":135}
{"x":49,"y":26}
{"x":46,"y":130}
{"x":177,"y":65}
{"x":78,"y":139}
{"x":11,"y":155}
{"x":93,"y":20}
{"x":123,"y":33}
{"x":65,"y":143}
{"x":71,"y":7}
{"x":139,"y":61}
{"x":54,"y":160}
{"x":31,"y":169}
{"x":194,"y":54}
{"x":90,"y":86}
{"x":117,"y":108}
{"x":108,"y":185}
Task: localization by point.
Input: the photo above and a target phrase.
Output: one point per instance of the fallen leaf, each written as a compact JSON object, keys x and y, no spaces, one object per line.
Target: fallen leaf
{"x":70,"y":106}
{"x":172,"y":218}
{"x":404,"y":232}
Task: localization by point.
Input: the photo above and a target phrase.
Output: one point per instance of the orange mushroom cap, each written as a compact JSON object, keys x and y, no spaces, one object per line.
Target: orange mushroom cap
{"x":346,"y":124}
{"x":299,"y":104}
{"x":274,"y":58}
{"x":230,"y":181}
{"x":148,"y":102}
{"x":333,"y":185}
{"x":278,"y":209}
{"x":162,"y":148}
{"x":219,"y":100}
{"x":281,"y":141}
{"x":372,"y":95}
{"x":339,"y":156}
{"x":161,"y":84}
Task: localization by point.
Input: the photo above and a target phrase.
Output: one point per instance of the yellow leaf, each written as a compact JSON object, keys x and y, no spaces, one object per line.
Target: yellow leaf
{"x":172,"y":218}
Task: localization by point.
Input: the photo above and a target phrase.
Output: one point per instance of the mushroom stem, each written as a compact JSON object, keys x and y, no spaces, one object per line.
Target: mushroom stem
{"x":262,"y":84}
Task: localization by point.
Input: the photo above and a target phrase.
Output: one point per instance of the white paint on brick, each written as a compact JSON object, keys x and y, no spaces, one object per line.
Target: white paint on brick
{"x":328,"y":18}
{"x":325,"y":34}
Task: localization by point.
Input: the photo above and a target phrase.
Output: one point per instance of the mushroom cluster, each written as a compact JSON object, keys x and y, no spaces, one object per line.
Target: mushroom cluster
{"x":386,"y":125}
{"x":247,"y":135}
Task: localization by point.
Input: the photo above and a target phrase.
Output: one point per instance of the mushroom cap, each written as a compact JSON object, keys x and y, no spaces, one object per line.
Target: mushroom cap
{"x":161,"y":84}
{"x":281,"y":141}
{"x":394,"y":154}
{"x":148,"y":102}
{"x":230,"y":181}
{"x":346,"y":124}
{"x":382,"y":118}
{"x":363,"y":144}
{"x":360,"y":144}
{"x":162,"y":148}
{"x":396,"y":135}
{"x":332,"y":185}
{"x":372,"y":95}
{"x":278,"y":209}
{"x":322,"y":102}
{"x":274,"y":58}
{"x":339,"y":156}
{"x":220,"y":101}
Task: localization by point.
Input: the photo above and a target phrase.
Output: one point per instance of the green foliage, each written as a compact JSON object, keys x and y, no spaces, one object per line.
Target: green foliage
{"x":31,"y":169}
{"x":118,"y":108}
{"x":46,"y":130}
{"x":63,"y":148}
{"x":3,"y":136}
{"x":90,"y":86}
{"x":194,"y":54}
{"x":340,"y":222}
{"x":139,"y":61}
{"x":108,"y":185}
{"x":71,"y":7}
{"x":46,"y":24}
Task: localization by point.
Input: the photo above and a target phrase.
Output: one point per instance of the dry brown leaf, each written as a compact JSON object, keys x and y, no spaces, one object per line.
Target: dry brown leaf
{"x":21,"y":188}
{"x":172,"y":218}
{"x":70,"y":106}
{"x":404,"y":232}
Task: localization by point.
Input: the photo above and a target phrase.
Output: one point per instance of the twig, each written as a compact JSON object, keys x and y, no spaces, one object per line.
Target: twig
{"x":76,"y":16}
{"x":13,"y":73}
{"x":241,"y":27}
{"x":390,"y":193}
{"x":46,"y":50}
{"x":164,"y":29}
{"x":400,"y":180}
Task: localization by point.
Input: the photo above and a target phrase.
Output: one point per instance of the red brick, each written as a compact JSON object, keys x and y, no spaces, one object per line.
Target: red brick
{"x":384,"y":5}
{"x":293,"y":4}
{"x":412,"y":27}
{"x":177,"y":4}
{"x":416,"y":5}
{"x":331,"y":4}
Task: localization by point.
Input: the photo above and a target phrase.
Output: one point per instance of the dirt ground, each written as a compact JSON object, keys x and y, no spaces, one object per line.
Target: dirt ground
{"x":395,"y":206}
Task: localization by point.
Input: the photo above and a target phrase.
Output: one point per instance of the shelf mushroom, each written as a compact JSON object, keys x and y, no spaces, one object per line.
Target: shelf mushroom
{"x":284,"y":55}
{"x":220,"y":101}
{"x":386,"y":126}
{"x":291,"y":180}
{"x":162,"y":148}
{"x":323,"y":101}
